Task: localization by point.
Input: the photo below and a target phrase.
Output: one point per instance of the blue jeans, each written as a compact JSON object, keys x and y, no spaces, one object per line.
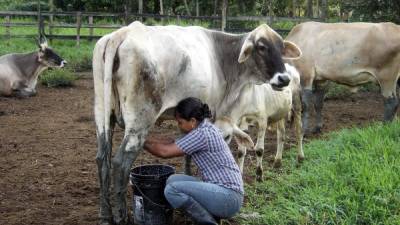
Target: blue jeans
{"x":221,"y":202}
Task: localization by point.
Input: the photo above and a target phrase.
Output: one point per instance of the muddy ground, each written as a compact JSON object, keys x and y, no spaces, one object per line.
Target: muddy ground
{"x":48,"y":173}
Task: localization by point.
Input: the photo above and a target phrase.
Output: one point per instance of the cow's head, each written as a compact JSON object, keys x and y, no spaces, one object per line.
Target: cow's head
{"x":230,"y":130}
{"x":48,"y":57}
{"x":264,"y":51}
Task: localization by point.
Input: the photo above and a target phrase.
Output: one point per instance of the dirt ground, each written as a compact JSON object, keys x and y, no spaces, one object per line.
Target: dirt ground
{"x":48,"y":173}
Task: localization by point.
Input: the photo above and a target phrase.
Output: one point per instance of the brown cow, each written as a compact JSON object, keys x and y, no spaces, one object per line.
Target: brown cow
{"x":347,"y":53}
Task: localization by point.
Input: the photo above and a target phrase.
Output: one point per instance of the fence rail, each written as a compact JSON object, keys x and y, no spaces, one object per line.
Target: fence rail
{"x":46,"y":21}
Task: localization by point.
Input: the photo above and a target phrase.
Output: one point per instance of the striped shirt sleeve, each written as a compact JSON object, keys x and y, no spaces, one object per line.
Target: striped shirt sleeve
{"x":192,"y":142}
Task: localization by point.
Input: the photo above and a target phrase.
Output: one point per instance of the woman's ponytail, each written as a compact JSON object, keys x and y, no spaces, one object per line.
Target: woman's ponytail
{"x":206,"y":111}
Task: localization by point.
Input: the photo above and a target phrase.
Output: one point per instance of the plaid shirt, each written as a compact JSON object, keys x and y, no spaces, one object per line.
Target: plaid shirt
{"x":212,"y":156}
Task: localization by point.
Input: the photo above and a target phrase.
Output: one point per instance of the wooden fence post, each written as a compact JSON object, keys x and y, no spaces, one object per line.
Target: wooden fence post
{"x":51,"y":20}
{"x":126,"y":19}
{"x":91,"y":27}
{"x":8,"y":33}
{"x":78,"y":27}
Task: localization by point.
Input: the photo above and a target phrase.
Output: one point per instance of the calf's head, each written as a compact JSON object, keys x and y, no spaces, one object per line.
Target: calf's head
{"x":264,"y":52}
{"x":49,"y":57}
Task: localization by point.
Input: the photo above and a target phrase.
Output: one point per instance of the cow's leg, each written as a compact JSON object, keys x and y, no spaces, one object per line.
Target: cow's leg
{"x":306,"y":99}
{"x":391,"y":102}
{"x":319,"y":94}
{"x":188,"y":162}
{"x":130,"y":148}
{"x":103,"y":160}
{"x":259,"y":148}
{"x":280,"y":141}
{"x":242,"y":150}
{"x":299,"y":130}
{"x":241,"y":156}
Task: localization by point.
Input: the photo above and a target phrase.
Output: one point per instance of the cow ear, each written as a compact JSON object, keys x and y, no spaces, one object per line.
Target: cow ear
{"x":242,"y":138}
{"x":246,"y":50}
{"x":290,"y":50}
{"x":38,"y":43}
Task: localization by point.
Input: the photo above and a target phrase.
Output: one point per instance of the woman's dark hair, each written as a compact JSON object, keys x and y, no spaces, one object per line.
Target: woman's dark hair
{"x":192,"y":108}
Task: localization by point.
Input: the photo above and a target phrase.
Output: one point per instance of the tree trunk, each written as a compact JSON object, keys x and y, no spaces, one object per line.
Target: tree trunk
{"x":215,"y":7}
{"x":187,"y":8}
{"x":140,"y":9}
{"x":162,"y":10}
{"x":294,"y":6}
{"x":223,"y":13}
{"x":197,"y":8}
{"x":324,"y":11}
{"x":309,"y":11}
{"x":161,"y":7}
{"x":242,"y":6}
{"x":270,"y":11}
{"x":51,"y":5}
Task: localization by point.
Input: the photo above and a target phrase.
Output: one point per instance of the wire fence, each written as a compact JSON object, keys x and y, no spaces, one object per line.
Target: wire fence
{"x":49,"y":22}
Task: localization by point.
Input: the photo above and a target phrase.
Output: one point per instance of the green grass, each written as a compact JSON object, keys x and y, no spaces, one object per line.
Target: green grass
{"x":352,"y":177}
{"x":337,"y":91}
{"x":57,"y":78}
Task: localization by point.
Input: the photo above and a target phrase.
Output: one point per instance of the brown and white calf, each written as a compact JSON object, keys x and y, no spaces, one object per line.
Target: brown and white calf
{"x":19,"y":71}
{"x":264,"y":106}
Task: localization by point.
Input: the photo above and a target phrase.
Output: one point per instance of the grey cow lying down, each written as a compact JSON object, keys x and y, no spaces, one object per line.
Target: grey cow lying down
{"x":264,"y":106}
{"x":19,"y":71}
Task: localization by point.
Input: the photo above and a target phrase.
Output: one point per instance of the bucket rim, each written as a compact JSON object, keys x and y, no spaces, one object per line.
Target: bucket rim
{"x":132,"y":174}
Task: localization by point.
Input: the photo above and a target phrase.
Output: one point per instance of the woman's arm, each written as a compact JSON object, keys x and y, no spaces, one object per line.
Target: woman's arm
{"x":163,"y":140}
{"x":163,"y":150}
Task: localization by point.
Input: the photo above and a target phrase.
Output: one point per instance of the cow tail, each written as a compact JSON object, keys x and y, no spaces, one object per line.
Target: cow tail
{"x":109,"y":67}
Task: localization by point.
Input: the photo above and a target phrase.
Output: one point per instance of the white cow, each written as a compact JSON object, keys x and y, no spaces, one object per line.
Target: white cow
{"x":140,"y":72}
{"x":262,"y":105}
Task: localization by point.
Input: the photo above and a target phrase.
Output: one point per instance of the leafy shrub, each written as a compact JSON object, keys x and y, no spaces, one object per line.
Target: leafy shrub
{"x":58,"y":78}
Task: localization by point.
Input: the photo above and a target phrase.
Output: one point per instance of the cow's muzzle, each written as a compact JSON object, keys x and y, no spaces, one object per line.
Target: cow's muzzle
{"x":63,"y":63}
{"x":279,"y":81}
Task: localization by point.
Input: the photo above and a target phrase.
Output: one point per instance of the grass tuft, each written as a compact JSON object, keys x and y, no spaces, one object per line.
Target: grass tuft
{"x":58,"y":78}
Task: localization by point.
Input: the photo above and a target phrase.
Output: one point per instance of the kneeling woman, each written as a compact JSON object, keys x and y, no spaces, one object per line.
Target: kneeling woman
{"x":219,"y":193}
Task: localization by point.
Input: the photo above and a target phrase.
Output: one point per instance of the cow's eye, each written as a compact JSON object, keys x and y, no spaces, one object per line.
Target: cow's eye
{"x":261,"y":48}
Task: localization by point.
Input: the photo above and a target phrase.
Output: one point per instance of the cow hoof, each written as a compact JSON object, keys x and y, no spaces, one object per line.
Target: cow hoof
{"x":259,"y":174}
{"x":121,"y":221}
{"x":300,"y":159}
{"x":317,"y":130}
{"x":277,"y":164}
{"x":106,"y":222}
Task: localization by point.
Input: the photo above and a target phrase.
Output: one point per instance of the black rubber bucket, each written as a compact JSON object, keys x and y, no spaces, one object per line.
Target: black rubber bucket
{"x":149,"y":204}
